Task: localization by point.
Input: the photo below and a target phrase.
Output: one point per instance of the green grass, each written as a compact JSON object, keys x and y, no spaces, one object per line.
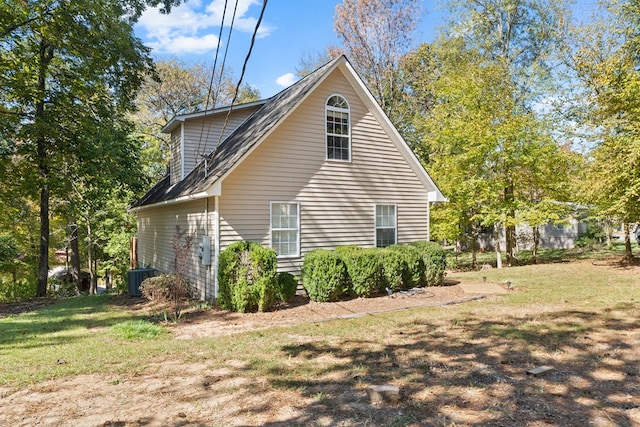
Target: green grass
{"x":462,"y":261}
{"x":92,"y":334}
{"x":137,"y":329}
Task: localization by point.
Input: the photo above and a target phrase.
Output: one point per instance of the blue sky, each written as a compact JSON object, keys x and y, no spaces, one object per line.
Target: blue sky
{"x":290,"y":30}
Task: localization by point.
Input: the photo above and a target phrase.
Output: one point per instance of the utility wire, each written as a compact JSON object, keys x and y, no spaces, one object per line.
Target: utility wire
{"x":196,"y":153}
{"x":221,"y":74}
{"x":244,"y":68}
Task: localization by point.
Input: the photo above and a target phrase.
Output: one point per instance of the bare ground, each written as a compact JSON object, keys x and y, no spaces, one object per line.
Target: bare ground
{"x":465,"y":372}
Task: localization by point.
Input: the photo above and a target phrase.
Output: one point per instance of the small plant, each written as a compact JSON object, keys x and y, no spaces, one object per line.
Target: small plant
{"x":173,"y":288}
{"x":167,"y":289}
{"x":136,"y":330}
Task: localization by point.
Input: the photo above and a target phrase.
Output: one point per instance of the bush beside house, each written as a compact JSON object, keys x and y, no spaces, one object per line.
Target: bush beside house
{"x":366,"y":272}
{"x":247,"y":277}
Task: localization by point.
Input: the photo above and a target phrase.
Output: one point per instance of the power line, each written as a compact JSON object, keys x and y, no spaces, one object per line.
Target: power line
{"x":244,"y":68}
{"x":209,"y":90}
{"x":220,"y":76}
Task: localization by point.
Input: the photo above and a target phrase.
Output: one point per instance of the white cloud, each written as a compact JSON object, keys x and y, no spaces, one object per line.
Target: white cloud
{"x":192,"y":28}
{"x":286,"y":80}
{"x":182,"y":44}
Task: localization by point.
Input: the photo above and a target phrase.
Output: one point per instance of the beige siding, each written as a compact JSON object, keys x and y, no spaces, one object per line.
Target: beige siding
{"x":175,"y":155}
{"x":156,"y":230}
{"x":201,"y":135}
{"x":337,"y":199}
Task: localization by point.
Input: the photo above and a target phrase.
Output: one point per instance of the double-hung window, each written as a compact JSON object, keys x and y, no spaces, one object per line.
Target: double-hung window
{"x":338,"y":139}
{"x":285,"y":228}
{"x":386,"y":229}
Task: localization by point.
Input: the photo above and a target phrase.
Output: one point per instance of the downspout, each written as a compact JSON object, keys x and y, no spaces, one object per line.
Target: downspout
{"x":216,"y":244}
{"x":206,"y":233}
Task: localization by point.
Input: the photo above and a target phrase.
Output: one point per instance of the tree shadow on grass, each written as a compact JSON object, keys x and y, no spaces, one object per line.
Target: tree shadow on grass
{"x":41,"y":327}
{"x":474,"y":372}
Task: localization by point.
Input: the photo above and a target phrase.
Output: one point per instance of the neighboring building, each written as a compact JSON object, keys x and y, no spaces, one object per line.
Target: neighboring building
{"x":316,"y":166}
{"x":561,"y":235}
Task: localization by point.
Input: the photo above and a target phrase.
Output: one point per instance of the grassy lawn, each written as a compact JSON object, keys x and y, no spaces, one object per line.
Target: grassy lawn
{"x":456,"y":365}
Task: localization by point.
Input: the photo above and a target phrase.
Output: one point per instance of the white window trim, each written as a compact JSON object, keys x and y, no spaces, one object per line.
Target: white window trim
{"x":297,"y":254}
{"x":375,"y":226}
{"x":326,"y":134}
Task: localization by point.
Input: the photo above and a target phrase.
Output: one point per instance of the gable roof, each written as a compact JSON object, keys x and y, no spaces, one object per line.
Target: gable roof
{"x":205,"y":179}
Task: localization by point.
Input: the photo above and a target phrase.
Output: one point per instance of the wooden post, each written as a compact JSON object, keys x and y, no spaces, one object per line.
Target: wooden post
{"x":133,"y":253}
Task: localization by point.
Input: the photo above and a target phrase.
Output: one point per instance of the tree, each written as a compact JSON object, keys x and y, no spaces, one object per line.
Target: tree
{"x":178,"y":88}
{"x":519,"y":36}
{"x":375,"y":35}
{"x":69,"y":71}
{"x":491,"y":157}
{"x":605,"y":57}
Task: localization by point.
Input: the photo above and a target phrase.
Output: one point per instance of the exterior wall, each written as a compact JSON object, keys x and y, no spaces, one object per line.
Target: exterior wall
{"x":337,"y":199}
{"x":156,"y":229}
{"x":201,"y":135}
{"x":551,"y":236}
{"x":175,"y":160}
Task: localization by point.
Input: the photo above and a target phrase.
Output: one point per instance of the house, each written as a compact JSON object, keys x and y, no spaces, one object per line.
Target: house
{"x":318,"y":165}
{"x":563,"y":234}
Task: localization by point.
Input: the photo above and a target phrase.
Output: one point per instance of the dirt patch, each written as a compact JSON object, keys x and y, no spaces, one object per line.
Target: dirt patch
{"x":466,"y":371}
{"x":212,"y":322}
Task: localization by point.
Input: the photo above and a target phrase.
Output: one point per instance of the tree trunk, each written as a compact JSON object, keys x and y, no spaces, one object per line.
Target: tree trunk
{"x":76,"y":272}
{"x":93,"y":284}
{"x":510,"y":230}
{"x":45,"y":57}
{"x":496,"y":238}
{"x":627,"y":243}
{"x":43,"y":263}
{"x":536,"y":242}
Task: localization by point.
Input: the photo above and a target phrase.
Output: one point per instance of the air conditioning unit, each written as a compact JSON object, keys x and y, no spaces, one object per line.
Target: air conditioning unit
{"x":135,"y":279}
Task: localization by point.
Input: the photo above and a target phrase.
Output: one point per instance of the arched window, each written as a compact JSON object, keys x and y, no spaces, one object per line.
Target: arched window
{"x":338,"y":132}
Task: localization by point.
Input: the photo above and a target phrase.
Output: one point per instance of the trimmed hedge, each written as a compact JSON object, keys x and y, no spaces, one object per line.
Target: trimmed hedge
{"x":287,"y":286}
{"x":364,"y":269}
{"x":247,"y":277}
{"x":324,"y":275}
{"x":435,"y":261}
{"x":395,"y":273}
{"x":365,"y":272}
{"x":412,"y":256}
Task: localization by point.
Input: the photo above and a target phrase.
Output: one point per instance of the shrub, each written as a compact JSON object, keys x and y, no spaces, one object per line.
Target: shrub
{"x":247,"y":277}
{"x":170,"y":289}
{"x":287,"y":286}
{"x":364,"y":270}
{"x":395,"y":273}
{"x":414,"y":260}
{"x":19,"y":290}
{"x":435,"y":261}
{"x":324,"y":275}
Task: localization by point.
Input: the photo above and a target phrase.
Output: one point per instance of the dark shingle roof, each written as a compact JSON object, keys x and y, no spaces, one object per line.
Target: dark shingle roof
{"x":238,"y":143}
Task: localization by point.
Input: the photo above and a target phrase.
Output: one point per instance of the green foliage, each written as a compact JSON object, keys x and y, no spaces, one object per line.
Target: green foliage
{"x":247,"y":277}
{"x":287,"y":286}
{"x":364,"y":269}
{"x":324,"y":275}
{"x":414,"y":260}
{"x":395,"y":272}
{"x":19,"y":290}
{"x":435,"y":261}
{"x":136,"y":330}
{"x":593,"y":238}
